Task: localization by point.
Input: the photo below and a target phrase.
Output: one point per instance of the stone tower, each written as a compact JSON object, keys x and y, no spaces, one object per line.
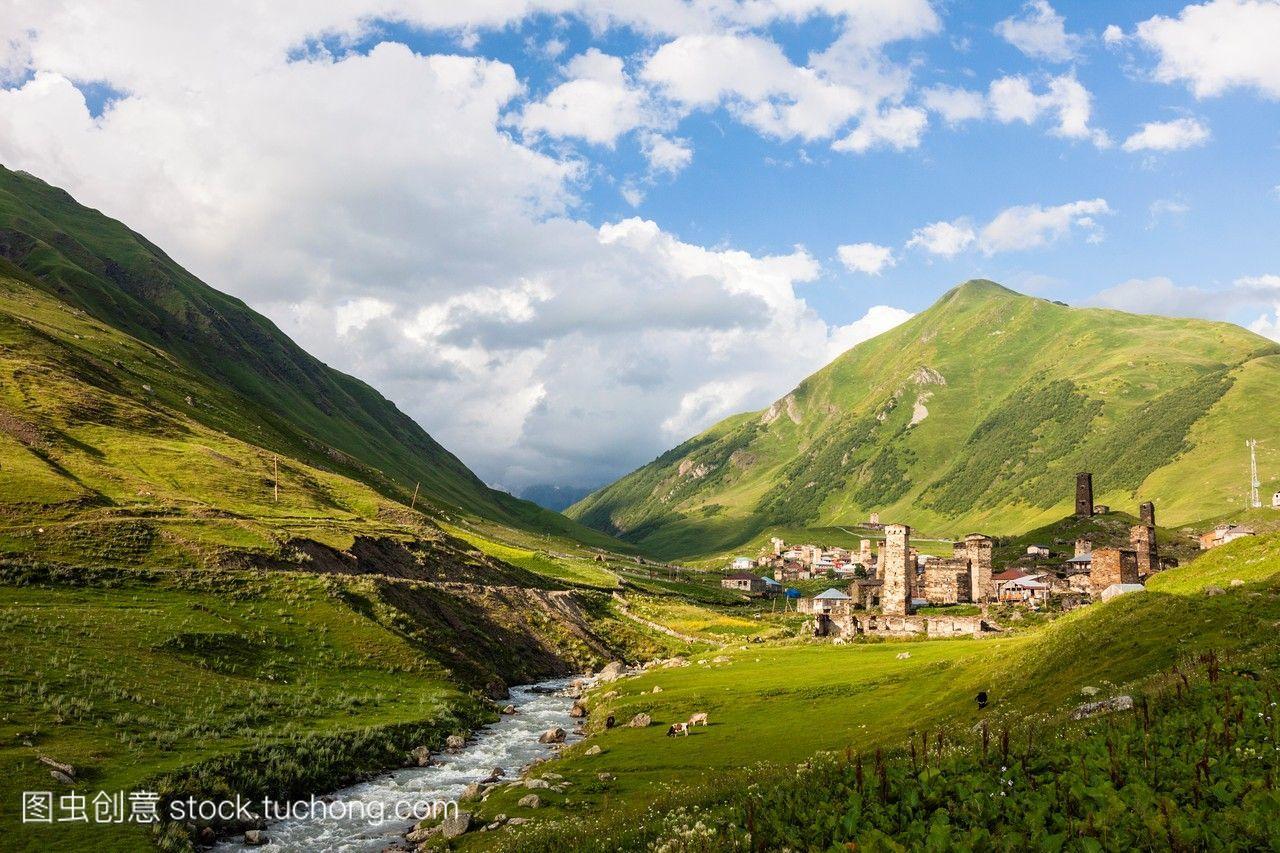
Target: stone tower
{"x":865,"y":557}
{"x":1143,"y":539}
{"x":976,"y":548}
{"x":1083,"y":547}
{"x":1110,"y":566}
{"x":897,"y":576}
{"x":1084,"y":494}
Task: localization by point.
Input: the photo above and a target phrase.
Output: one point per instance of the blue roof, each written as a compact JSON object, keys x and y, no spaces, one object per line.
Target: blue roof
{"x":769,"y":581}
{"x":832,"y":594}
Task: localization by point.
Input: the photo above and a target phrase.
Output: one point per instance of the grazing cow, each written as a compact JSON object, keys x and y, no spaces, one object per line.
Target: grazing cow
{"x":698,"y":719}
{"x":678,"y":730}
{"x":838,"y":641}
{"x":610,"y":722}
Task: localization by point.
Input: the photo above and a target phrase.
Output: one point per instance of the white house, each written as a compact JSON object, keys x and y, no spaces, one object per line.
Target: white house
{"x":1037,"y":551}
{"x":742,"y":564}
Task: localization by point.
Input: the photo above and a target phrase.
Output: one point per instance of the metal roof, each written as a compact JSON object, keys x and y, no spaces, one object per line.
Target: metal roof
{"x":832,"y":594}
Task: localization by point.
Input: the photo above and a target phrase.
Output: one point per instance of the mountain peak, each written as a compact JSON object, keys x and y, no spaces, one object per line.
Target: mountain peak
{"x":980,"y":288}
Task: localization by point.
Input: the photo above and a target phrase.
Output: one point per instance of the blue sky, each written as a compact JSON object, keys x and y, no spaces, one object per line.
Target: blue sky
{"x":567,"y":234}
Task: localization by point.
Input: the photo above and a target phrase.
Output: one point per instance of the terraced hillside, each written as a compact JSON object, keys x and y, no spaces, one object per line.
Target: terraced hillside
{"x":974,"y":414}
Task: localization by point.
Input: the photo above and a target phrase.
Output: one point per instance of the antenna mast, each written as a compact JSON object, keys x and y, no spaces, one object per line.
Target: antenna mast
{"x":1254,"y":483}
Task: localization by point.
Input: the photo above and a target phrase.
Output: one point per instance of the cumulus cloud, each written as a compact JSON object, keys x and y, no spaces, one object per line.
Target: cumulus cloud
{"x":597,"y":102}
{"x":947,"y":239}
{"x":868,"y":258}
{"x":1032,"y":226}
{"x":1242,"y":297}
{"x":1013,"y":99}
{"x":374,"y":205}
{"x":1040,"y":33}
{"x":1217,"y":46}
{"x":1172,"y":135}
{"x":898,"y":128}
{"x":954,"y":104}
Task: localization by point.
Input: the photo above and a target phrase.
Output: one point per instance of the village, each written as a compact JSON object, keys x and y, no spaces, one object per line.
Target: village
{"x":892,"y":589}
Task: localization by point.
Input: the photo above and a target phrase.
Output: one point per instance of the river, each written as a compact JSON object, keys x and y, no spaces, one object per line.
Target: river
{"x":509,"y":743}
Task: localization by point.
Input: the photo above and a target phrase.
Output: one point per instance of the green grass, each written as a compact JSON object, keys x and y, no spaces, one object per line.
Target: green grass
{"x":778,"y":704}
{"x":1021,"y":393}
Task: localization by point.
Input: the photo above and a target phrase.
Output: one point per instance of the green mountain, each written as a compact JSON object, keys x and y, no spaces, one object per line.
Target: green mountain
{"x":108,"y":343}
{"x":976,"y":413}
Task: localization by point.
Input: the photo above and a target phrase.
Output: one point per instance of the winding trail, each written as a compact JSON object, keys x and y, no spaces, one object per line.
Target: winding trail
{"x":661,"y":629}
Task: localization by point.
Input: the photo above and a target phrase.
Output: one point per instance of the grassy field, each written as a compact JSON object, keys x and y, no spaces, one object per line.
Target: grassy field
{"x":774,"y":705}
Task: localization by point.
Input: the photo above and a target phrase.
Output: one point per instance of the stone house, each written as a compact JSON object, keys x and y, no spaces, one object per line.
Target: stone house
{"x":743,"y":582}
{"x":1111,"y":565}
{"x":1222,"y":534}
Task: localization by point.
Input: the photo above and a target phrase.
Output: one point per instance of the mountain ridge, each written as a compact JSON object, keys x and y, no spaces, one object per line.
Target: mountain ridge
{"x":284,"y":399}
{"x":976,"y":411}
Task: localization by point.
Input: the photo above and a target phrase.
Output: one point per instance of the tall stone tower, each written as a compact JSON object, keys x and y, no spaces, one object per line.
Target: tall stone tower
{"x":1084,"y":494}
{"x":898,"y":578}
{"x":1143,"y":539}
{"x":976,"y":548}
{"x":865,"y":557}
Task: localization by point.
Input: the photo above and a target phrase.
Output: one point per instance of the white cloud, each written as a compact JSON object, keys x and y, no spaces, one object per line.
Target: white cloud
{"x":1040,"y":33}
{"x":666,"y":155}
{"x":1217,"y":46}
{"x":1172,"y":135}
{"x":1112,"y":35}
{"x":1161,"y":295}
{"x":878,"y":320}
{"x":955,"y":105}
{"x":1163,"y":208}
{"x":947,"y":239}
{"x":1032,"y":226}
{"x":898,"y":128}
{"x":1013,"y":99}
{"x":868,"y":258}
{"x":375,"y":206}
{"x":597,"y":102}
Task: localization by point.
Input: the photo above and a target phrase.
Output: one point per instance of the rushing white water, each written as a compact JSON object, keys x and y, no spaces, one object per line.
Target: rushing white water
{"x":509,"y":743}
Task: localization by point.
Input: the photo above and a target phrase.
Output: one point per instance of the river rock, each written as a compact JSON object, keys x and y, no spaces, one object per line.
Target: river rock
{"x":255,"y":838}
{"x":529,"y":801}
{"x":470,"y":792}
{"x":555,"y":735}
{"x":534,"y":784}
{"x":640,"y":721}
{"x":578,"y":709}
{"x":421,"y":756}
{"x":510,"y":709}
{"x":612,"y":672}
{"x":454,"y":743}
{"x":421,"y":834}
{"x":456,"y":824}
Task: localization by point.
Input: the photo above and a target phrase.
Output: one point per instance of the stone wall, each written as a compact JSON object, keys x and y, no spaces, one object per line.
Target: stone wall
{"x":897,"y":592}
{"x":947,"y":581}
{"x":1112,"y":565}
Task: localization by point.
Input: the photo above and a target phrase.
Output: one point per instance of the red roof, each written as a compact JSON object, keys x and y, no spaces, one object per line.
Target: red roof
{"x":1010,"y":575}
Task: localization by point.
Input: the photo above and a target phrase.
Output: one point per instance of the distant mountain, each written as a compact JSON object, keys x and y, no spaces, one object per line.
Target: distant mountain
{"x":554,"y":498}
{"x":974,"y":414}
{"x":229,"y":369}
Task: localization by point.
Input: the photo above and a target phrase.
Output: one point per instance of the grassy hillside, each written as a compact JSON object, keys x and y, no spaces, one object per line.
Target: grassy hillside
{"x":975,"y":414}
{"x":774,"y":706}
{"x":139,"y":316}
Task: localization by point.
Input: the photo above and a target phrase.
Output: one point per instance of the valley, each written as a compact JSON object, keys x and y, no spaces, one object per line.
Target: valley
{"x":226,"y":568}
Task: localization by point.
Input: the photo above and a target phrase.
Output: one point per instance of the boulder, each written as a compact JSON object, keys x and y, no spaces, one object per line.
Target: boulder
{"x":593,"y":750}
{"x":62,"y":777}
{"x":657,"y":689}
{"x":1237,"y":582}
{"x":510,"y":709}
{"x":605,"y":777}
{"x":1213,"y":589}
{"x":455,"y":824}
{"x":904,"y":655}
{"x":65,"y":769}
{"x":453,"y":743}
{"x":517,"y":821}
{"x":555,"y":735}
{"x":255,"y":838}
{"x":639,"y":721}
{"x":420,"y":756}
{"x":534,"y":784}
{"x":470,"y":792}
{"x":497,"y":773}
{"x":578,"y":709}
{"x":612,"y":672}
{"x":529,"y":801}
{"x":1105,"y":706}
{"x":421,"y":834}
{"x":496,"y":690}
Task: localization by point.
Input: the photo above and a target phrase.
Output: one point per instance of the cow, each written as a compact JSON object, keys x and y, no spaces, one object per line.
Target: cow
{"x":678,"y":730}
{"x":610,"y":722}
{"x":698,"y":719}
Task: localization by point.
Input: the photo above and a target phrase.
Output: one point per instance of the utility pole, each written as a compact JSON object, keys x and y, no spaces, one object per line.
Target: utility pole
{"x":275,"y":469}
{"x":1254,"y":500}
{"x":414,"y":502}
